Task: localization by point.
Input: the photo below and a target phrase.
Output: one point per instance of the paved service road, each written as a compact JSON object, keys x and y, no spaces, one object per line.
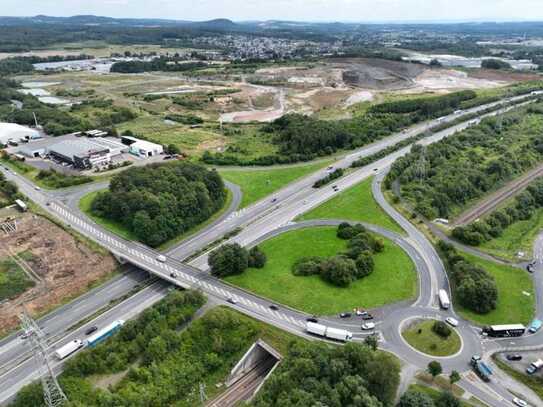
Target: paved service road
{"x":258,"y":221}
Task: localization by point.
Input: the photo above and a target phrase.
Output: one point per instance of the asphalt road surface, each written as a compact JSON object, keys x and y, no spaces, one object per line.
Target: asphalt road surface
{"x":258,"y":221}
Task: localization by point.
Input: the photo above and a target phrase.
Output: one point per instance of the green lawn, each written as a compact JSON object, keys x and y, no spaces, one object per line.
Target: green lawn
{"x":256,"y":184}
{"x":427,"y":341}
{"x":355,"y":203}
{"x":13,"y":280}
{"x":517,"y":237}
{"x":120,"y":230}
{"x":513,"y":305}
{"x":394,"y":278}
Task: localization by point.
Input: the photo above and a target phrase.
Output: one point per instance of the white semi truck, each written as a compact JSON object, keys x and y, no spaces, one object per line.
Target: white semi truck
{"x":444,"y":299}
{"x":68,"y":349}
{"x":328,"y":332}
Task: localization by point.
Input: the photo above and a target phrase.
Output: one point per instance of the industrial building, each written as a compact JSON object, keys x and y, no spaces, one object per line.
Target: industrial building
{"x":15,"y":133}
{"x":142,"y":148}
{"x":84,"y":153}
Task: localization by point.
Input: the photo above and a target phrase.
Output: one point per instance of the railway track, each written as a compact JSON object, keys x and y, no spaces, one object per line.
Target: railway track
{"x":244,"y":388}
{"x":498,"y":197}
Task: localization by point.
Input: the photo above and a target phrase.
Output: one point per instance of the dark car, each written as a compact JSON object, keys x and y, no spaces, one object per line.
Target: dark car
{"x":345,"y":315}
{"x":313,"y":319}
{"x":91,"y":330}
{"x":367,"y":317}
{"x":530,"y":267}
{"x":274,"y":307}
{"x":514,"y":357}
{"x":274,"y":200}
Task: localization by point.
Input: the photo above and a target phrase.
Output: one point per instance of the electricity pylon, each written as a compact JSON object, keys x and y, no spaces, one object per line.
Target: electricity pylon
{"x":52,"y":392}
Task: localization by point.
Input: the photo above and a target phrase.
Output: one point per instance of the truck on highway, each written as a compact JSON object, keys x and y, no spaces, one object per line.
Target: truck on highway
{"x":481,"y":368}
{"x":444,"y":299}
{"x":68,"y":349}
{"x":534,"y":366}
{"x":328,"y":332}
{"x":104,"y":333}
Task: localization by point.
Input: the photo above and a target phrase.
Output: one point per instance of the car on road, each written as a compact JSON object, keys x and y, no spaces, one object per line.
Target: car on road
{"x":231,"y":300}
{"x":535,"y":326}
{"x":161,"y":258}
{"x":359,"y":312}
{"x":37,"y":188}
{"x":91,"y":330}
{"x":368,"y":326}
{"x":173,"y":274}
{"x":274,"y":307}
{"x":451,"y":321}
{"x":367,"y":316}
{"x":376,"y":169}
{"x":47,"y":203}
{"x":274,"y":200}
{"x":513,"y":357}
{"x":25,"y":334}
{"x":345,"y":315}
{"x":330,"y":168}
{"x":519,"y":402}
{"x":313,"y":319}
{"x":530,"y":267}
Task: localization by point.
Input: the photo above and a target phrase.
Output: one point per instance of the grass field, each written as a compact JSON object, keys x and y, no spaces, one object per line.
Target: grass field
{"x":13,"y":280}
{"x":514,"y":306}
{"x":427,"y":341}
{"x":256,"y":184}
{"x":120,"y":230}
{"x":355,"y":203}
{"x":517,"y":237}
{"x":394,"y":278}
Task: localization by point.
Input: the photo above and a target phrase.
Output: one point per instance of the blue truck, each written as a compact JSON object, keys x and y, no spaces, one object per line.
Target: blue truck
{"x":481,"y":368}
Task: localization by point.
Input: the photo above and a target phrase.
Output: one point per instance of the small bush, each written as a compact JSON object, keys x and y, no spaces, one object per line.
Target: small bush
{"x":441,"y":329}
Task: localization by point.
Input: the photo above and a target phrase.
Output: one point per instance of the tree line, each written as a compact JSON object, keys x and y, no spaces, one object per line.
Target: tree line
{"x":343,"y":269}
{"x":162,"y":63}
{"x":160,"y":201}
{"x":441,"y":179}
{"x":524,"y":206}
{"x":473,"y":287}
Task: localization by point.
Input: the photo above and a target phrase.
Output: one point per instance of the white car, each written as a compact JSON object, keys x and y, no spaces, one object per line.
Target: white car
{"x":368,"y":325}
{"x":451,"y":321}
{"x":161,"y":258}
{"x":37,"y":188}
{"x":519,"y":402}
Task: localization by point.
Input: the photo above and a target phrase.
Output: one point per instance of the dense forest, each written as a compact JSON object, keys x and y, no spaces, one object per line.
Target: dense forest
{"x":162,"y":63}
{"x":473,"y":287}
{"x":441,"y":179}
{"x":523,"y":207}
{"x":161,"y":201}
{"x":320,"y":375}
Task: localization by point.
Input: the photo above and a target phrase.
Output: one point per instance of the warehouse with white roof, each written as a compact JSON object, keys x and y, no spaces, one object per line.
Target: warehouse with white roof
{"x":15,"y":133}
{"x":142,"y":148}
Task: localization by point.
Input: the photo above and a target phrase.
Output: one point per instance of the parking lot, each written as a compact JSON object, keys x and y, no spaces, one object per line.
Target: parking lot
{"x":522,"y":365}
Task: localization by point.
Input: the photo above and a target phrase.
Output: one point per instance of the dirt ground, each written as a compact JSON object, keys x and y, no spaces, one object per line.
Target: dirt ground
{"x":62,"y":266}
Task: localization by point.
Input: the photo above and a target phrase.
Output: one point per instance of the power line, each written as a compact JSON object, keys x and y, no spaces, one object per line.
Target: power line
{"x":52,"y":392}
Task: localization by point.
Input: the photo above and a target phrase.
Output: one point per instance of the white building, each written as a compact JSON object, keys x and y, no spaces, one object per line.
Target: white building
{"x":142,"y":148}
{"x":15,"y":133}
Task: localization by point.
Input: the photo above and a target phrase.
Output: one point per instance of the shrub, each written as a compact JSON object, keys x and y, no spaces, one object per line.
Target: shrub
{"x":228,"y":259}
{"x":441,"y":329}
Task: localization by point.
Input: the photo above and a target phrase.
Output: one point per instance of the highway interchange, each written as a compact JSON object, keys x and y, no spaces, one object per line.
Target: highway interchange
{"x":259,"y":222}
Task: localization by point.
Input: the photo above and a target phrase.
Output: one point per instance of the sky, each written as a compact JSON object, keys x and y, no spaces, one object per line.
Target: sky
{"x":299,"y":10}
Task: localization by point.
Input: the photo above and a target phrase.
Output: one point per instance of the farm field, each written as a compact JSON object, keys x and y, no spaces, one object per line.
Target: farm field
{"x":394,"y":278}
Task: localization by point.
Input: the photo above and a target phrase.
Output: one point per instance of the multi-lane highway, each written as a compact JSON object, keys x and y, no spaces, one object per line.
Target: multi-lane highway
{"x":260,"y":221}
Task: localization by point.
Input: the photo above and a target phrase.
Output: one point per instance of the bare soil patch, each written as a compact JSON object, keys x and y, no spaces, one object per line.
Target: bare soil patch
{"x":64,"y":266}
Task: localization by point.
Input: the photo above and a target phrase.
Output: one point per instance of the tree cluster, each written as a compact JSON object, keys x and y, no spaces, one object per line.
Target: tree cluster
{"x":442,"y":329}
{"x":341,"y":270}
{"x":185,"y":119}
{"x":523,"y":208}
{"x":231,"y":259}
{"x":415,"y":398}
{"x":162,"y":63}
{"x":319,"y":375}
{"x":440,"y":179}
{"x":492,"y":63}
{"x":473,"y":287}
{"x":159,"y":201}
{"x":338,"y":173}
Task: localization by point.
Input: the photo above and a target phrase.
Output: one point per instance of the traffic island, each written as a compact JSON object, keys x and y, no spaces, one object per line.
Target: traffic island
{"x":431,"y":337}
